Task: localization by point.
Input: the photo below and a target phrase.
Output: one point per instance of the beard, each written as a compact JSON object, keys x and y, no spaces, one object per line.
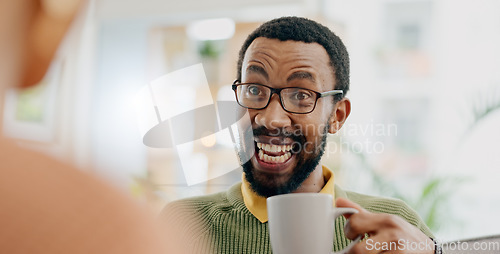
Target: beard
{"x":268,"y":185}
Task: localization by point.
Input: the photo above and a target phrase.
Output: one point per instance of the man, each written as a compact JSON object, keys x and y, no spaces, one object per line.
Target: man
{"x":292,"y":76}
{"x":48,"y":206}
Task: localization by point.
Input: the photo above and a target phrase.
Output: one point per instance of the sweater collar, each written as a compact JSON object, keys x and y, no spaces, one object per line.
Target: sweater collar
{"x":257,"y":204}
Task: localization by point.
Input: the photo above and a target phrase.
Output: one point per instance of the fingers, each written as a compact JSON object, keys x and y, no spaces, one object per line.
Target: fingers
{"x":387,"y":233}
{"x":367,"y":222}
{"x":371,"y":223}
{"x":342,"y":202}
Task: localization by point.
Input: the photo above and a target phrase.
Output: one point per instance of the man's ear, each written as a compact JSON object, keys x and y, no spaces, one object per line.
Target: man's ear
{"x":339,"y":115}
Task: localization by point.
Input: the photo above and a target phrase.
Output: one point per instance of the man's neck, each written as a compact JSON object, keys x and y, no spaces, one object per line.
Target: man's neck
{"x":313,"y":183}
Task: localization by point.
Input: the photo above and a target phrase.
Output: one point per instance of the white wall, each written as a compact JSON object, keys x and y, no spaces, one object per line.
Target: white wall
{"x":117,"y":148}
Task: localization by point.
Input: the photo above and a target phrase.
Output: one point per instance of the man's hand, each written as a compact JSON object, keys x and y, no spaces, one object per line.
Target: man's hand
{"x":387,"y":233}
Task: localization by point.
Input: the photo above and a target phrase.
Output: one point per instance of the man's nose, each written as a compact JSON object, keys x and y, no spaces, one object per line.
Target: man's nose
{"x":273,"y":116}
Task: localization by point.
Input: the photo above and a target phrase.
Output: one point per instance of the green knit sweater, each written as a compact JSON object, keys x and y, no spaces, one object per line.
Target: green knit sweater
{"x":221,"y":223}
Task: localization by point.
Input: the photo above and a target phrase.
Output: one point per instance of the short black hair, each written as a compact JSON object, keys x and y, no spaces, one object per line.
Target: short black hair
{"x":308,"y":31}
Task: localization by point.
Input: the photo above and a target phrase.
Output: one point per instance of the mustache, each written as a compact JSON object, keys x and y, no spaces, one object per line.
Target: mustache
{"x":296,"y":135}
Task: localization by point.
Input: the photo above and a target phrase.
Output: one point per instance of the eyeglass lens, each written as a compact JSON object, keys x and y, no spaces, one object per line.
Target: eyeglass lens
{"x":257,"y":96}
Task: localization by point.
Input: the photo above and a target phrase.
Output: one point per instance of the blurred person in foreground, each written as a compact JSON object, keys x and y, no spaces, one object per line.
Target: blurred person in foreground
{"x":292,"y":77}
{"x":47,"y":206}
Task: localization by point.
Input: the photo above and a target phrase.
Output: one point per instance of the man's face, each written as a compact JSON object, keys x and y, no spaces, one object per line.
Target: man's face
{"x":288,"y":146}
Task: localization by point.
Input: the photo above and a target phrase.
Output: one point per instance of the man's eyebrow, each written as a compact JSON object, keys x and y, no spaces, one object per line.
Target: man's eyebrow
{"x":301,"y":75}
{"x":259,"y":70}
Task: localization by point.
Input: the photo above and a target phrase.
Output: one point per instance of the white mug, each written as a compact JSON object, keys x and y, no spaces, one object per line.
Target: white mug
{"x":302,"y":223}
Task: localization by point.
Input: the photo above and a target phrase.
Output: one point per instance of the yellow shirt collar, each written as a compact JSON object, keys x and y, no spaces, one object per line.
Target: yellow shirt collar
{"x":257,"y":204}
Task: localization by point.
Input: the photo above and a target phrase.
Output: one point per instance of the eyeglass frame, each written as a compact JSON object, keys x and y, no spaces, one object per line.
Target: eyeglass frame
{"x":277,"y":91}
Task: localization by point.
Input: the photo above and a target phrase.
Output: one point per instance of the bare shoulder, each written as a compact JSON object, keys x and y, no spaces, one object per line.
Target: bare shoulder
{"x":49,"y":206}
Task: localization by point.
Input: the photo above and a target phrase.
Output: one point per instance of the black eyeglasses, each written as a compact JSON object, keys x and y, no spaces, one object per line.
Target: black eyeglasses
{"x":296,"y":100}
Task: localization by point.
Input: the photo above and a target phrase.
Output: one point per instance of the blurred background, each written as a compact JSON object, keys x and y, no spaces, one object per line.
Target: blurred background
{"x":425,"y":92}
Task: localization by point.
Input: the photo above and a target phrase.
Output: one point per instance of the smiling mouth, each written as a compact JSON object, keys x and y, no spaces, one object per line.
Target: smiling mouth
{"x":273,"y":154}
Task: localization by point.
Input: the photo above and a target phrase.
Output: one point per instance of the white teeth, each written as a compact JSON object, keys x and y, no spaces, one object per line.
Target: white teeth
{"x":274,"y":159}
{"x":274,"y":148}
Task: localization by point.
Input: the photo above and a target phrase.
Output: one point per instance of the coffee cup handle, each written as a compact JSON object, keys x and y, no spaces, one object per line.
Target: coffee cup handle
{"x":341,"y":211}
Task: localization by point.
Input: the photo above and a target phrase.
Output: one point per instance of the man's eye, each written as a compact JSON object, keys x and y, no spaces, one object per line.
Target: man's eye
{"x":301,"y":95}
{"x":254,"y":90}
